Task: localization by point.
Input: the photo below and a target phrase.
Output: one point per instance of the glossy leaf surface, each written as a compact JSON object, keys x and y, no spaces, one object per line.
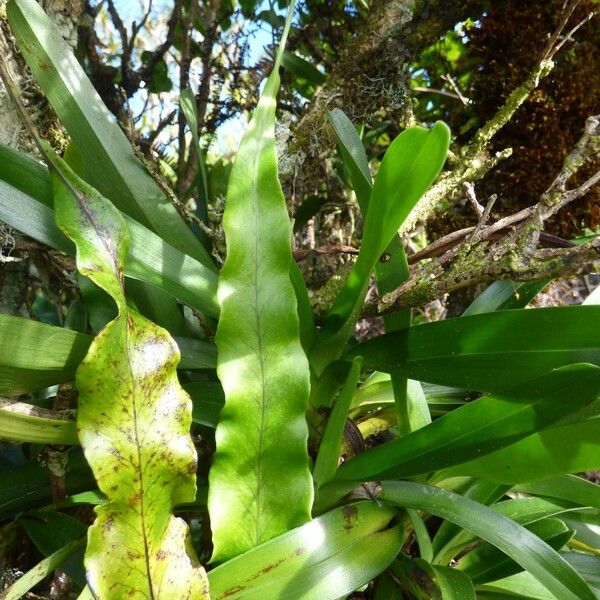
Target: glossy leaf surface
{"x":558,"y":450}
{"x":488,"y":352}
{"x":116,"y":171}
{"x":480,"y":427}
{"x":487,"y":563}
{"x":266,"y":490}
{"x":409,"y":166}
{"x":43,"y":356}
{"x":133,"y":425}
{"x":23,"y":422}
{"x":569,"y":487}
{"x":535,"y":556}
{"x":325,"y":559}
{"x":390,"y":273}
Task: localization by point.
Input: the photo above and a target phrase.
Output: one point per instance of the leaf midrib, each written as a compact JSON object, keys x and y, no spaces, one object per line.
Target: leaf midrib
{"x":261,"y":358}
{"x":138,"y":466}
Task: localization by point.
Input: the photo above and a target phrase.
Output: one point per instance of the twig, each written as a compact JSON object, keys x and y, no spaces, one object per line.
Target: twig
{"x":473,"y":256}
{"x":447,"y":77}
{"x":303,"y":253}
{"x":426,"y":90}
{"x":475,"y":162}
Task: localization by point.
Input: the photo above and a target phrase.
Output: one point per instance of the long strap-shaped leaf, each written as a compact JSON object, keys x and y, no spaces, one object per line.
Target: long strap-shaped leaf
{"x":479,"y":427}
{"x":133,"y":423}
{"x":410,"y":165}
{"x":391,"y":273}
{"x":321,"y":560}
{"x":116,"y":172}
{"x":260,"y":484}
{"x":489,"y":352}
{"x":534,"y":555}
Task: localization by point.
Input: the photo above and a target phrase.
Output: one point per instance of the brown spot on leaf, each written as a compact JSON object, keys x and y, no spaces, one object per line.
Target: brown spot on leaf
{"x":232,"y":591}
{"x":350,"y":517}
{"x":161,"y":555}
{"x":269,"y":568}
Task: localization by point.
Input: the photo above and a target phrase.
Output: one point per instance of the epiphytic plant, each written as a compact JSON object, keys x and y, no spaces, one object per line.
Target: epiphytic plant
{"x":299,"y":507}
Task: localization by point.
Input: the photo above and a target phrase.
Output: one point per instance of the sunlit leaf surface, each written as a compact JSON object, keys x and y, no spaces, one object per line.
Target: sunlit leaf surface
{"x":133,"y":422}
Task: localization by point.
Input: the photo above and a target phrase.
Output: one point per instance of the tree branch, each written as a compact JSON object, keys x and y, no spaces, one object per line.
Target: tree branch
{"x":516,"y":256}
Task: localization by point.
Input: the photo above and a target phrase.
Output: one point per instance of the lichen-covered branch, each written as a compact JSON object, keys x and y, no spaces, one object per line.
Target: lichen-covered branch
{"x":373,"y":71}
{"x":481,"y":258}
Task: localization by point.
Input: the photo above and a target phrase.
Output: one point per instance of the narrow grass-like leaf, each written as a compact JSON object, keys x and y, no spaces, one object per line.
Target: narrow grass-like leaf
{"x":50,"y":531}
{"x":266,"y":490}
{"x":305,"y":313}
{"x":486,"y":563}
{"x":504,"y":295}
{"x":47,"y":355}
{"x":522,"y":586}
{"x":523,"y":547}
{"x":19,"y":589}
{"x":524,"y":511}
{"x":187,"y":103}
{"x":26,"y":174}
{"x":488,"y":352}
{"x":133,"y":423}
{"x":450,"y":535}
{"x":333,"y":436}
{"x":324,"y":559}
{"x":390,"y":273}
{"x":116,"y":172}
{"x":354,"y":156}
{"x":480,"y":427}
{"x":409,"y":166}
{"x":23,"y":422}
{"x":558,"y":450}
{"x":569,"y":487}
{"x":421,"y":535}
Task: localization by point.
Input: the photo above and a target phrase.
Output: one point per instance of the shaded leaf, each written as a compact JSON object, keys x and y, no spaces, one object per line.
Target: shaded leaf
{"x":19,"y":589}
{"x":534,"y":555}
